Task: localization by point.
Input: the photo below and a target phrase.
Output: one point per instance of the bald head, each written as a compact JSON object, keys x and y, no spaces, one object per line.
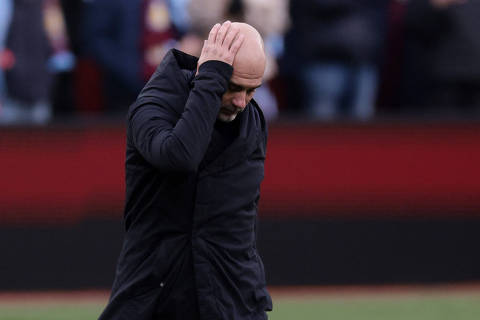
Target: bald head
{"x":250,"y":59}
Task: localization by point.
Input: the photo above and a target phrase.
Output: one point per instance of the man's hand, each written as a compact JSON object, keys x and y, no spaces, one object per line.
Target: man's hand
{"x":222,"y":44}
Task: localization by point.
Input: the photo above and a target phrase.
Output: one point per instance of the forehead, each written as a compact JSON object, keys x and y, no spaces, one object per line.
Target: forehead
{"x":250,"y":79}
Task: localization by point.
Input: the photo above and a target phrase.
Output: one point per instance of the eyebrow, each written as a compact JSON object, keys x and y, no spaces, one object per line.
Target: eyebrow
{"x":242,"y":87}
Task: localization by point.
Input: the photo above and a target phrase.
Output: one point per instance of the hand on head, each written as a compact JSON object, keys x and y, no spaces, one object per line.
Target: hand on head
{"x":241,"y":46}
{"x":222,"y":44}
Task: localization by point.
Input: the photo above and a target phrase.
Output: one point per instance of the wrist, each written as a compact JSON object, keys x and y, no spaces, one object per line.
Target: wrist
{"x":218,"y":67}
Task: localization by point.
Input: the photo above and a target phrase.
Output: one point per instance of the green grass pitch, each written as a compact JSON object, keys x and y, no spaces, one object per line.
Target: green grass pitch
{"x":457,"y":306}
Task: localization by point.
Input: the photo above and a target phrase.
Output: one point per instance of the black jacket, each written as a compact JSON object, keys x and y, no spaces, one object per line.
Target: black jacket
{"x":184,"y":206}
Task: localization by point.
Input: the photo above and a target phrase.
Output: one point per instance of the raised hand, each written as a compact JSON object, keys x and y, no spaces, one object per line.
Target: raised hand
{"x":222,"y":44}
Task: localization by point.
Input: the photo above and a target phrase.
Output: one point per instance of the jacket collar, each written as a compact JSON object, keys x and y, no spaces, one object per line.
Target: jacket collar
{"x":248,"y":140}
{"x":169,"y":74}
{"x":170,"y":70}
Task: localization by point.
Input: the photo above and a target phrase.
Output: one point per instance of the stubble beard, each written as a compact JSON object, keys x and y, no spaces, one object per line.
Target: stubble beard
{"x":228,"y":117}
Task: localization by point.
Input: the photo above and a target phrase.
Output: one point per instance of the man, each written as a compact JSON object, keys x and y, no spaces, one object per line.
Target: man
{"x":195,"y":154}
{"x":333,"y":49}
{"x":442,"y":46}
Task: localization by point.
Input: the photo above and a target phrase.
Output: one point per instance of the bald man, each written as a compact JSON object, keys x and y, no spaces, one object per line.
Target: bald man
{"x":194,"y":163}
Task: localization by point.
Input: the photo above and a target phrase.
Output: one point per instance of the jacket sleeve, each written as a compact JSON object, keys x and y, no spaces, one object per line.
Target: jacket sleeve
{"x":171,"y":145}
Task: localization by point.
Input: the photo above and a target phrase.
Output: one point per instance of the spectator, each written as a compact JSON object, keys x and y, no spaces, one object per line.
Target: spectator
{"x":179,"y":15}
{"x":157,"y":36}
{"x":6,"y":61}
{"x":271,"y":18}
{"x":112,"y":39}
{"x":127,"y":39}
{"x":65,"y":17}
{"x":333,"y":48}
{"x":388,"y":101}
{"x":28,"y":81}
{"x":442,"y":66}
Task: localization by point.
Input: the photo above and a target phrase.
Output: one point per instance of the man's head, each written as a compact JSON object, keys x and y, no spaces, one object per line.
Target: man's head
{"x":248,"y":69}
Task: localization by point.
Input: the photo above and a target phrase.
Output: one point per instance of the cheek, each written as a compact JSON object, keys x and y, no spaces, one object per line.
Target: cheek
{"x":226,"y":99}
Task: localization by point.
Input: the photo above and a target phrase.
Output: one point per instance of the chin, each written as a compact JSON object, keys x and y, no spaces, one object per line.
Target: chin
{"x":226,"y":118}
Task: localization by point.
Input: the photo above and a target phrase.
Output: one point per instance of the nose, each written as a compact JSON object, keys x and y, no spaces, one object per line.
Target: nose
{"x":240,"y":100}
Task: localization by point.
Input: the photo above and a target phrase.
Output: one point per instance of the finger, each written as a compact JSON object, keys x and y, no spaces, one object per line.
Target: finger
{"x":213,"y":33}
{"x":204,"y":47}
{"x":222,"y":32}
{"x":237,"y":44}
{"x":232,"y":33}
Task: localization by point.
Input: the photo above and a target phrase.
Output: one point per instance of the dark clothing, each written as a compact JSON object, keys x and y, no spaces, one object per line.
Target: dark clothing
{"x":111,"y":33}
{"x":345,"y":31}
{"x":449,"y":37}
{"x":441,"y":68}
{"x":29,"y":80}
{"x":191,"y":207}
{"x":182,"y":303}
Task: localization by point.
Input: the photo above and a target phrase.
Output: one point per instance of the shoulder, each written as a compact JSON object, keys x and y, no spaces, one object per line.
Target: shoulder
{"x":168,"y":87}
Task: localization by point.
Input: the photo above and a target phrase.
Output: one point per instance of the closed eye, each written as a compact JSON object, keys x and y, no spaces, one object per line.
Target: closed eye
{"x":237,"y":88}
{"x":233,"y":87}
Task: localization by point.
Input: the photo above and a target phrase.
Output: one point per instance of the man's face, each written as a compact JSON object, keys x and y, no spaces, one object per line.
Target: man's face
{"x":240,"y":91}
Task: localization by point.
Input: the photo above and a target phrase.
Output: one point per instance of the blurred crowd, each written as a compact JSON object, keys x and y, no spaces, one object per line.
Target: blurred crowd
{"x":328,"y":60}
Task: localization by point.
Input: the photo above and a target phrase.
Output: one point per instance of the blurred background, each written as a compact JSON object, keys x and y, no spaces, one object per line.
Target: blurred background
{"x":371,"y":177}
